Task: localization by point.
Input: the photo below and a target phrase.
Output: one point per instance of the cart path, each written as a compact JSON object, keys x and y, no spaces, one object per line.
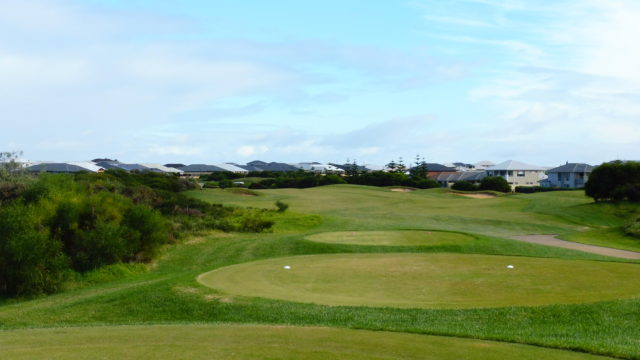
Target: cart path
{"x":552,"y":240}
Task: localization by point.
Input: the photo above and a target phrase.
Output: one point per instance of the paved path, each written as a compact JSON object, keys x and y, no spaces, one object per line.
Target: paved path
{"x":551,"y":240}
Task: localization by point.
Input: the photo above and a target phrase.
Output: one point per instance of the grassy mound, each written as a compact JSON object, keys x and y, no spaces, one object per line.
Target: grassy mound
{"x":255,"y":342}
{"x":393,"y":238}
{"x":428,"y":280}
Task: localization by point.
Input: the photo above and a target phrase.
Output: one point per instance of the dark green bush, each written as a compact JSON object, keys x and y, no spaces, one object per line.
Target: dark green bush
{"x":632,"y":227}
{"x":495,"y":183}
{"x":281,"y":206}
{"x":535,"y":189}
{"x":31,"y":262}
{"x":464,"y":186}
{"x":615,"y":181}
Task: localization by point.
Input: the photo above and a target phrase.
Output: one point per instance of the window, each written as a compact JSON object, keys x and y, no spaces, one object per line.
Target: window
{"x":520,"y":172}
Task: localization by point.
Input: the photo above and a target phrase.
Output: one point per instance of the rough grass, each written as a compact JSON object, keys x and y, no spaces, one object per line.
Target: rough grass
{"x":256,"y":342}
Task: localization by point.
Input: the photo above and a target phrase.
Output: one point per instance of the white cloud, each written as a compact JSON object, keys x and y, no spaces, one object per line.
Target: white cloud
{"x":582,"y":101}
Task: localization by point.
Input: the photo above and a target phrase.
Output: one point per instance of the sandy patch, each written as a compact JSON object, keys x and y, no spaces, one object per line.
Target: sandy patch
{"x":476,"y":196}
{"x":552,"y":240}
{"x":402,"y":190}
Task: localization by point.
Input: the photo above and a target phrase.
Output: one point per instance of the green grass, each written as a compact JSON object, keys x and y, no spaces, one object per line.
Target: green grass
{"x":256,"y":342}
{"x":404,"y":280}
{"x":393,"y":238}
{"x":351,"y":207}
{"x":608,"y":237}
{"x":169,"y":293}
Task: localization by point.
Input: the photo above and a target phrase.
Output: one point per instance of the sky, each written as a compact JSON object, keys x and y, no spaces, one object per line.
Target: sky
{"x":206,"y":81}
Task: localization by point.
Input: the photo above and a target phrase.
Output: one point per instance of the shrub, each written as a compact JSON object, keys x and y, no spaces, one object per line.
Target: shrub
{"x":282,"y":207}
{"x":31,"y":262}
{"x":495,"y":183}
{"x":464,"y":186}
{"x":535,"y":189}
{"x":632,"y":227}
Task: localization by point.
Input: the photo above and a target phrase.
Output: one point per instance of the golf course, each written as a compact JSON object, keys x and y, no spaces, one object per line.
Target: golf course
{"x":358,"y":272}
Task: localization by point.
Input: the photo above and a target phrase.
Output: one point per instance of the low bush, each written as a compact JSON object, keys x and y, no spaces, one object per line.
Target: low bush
{"x":281,"y":206}
{"x":495,"y":183}
{"x":632,"y":227}
{"x":536,"y":189}
{"x":464,"y":186}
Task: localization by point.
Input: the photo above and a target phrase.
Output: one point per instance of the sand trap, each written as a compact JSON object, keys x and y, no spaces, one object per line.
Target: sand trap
{"x":476,"y":196}
{"x":402,"y":190}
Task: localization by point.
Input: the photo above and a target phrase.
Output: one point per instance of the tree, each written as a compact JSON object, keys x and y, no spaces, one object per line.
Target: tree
{"x":616,"y":181}
{"x":391,"y":166}
{"x":495,"y":183}
{"x":420,"y":169}
{"x":401,"y":168}
{"x":9,"y":164}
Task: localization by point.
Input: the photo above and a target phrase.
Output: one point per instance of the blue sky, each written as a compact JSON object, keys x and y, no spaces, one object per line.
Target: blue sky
{"x":213,"y":81}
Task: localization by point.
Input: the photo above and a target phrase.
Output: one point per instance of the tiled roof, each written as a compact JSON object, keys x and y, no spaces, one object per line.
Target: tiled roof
{"x":515,"y":165}
{"x":201,"y":168}
{"x":572,"y":168}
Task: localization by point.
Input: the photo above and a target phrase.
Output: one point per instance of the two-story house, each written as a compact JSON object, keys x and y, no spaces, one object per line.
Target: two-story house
{"x":518,"y":173}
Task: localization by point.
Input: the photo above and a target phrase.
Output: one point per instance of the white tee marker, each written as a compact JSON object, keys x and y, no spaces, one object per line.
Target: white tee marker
{"x":287,"y":267}
{"x":510,"y":266}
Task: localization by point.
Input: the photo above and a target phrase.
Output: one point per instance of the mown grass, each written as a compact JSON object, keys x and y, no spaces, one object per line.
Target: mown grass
{"x":257,"y":342}
{"x":393,"y":238}
{"x":169,"y":292}
{"x":449,"y":281}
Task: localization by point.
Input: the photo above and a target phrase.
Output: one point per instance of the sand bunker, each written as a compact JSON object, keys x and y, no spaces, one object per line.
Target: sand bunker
{"x":402,"y":190}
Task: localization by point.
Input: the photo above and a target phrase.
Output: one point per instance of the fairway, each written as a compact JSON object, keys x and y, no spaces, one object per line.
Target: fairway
{"x":407,"y":280}
{"x":256,"y":342}
{"x":393,"y":238}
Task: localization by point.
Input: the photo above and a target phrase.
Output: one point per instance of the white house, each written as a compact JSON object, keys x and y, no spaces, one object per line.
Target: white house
{"x":162,"y":168}
{"x":232,"y":168}
{"x":518,"y":173}
{"x":319,"y":168}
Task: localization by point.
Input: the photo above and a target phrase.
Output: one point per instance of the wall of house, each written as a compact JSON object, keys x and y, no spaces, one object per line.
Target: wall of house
{"x":519,"y":177}
{"x":568,"y":180}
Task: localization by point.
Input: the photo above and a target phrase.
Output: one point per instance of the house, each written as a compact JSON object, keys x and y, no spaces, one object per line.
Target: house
{"x":115,"y":164}
{"x":162,"y":168}
{"x":351,"y":166}
{"x":434,"y":169}
{"x":483,"y":165}
{"x":569,"y":175}
{"x":231,"y":168}
{"x":197,"y":170}
{"x":518,"y":173}
{"x":319,"y":168}
{"x":447,"y":179}
{"x":175,"y":165}
{"x":459,"y":166}
{"x":66,"y":167}
{"x":258,"y":165}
